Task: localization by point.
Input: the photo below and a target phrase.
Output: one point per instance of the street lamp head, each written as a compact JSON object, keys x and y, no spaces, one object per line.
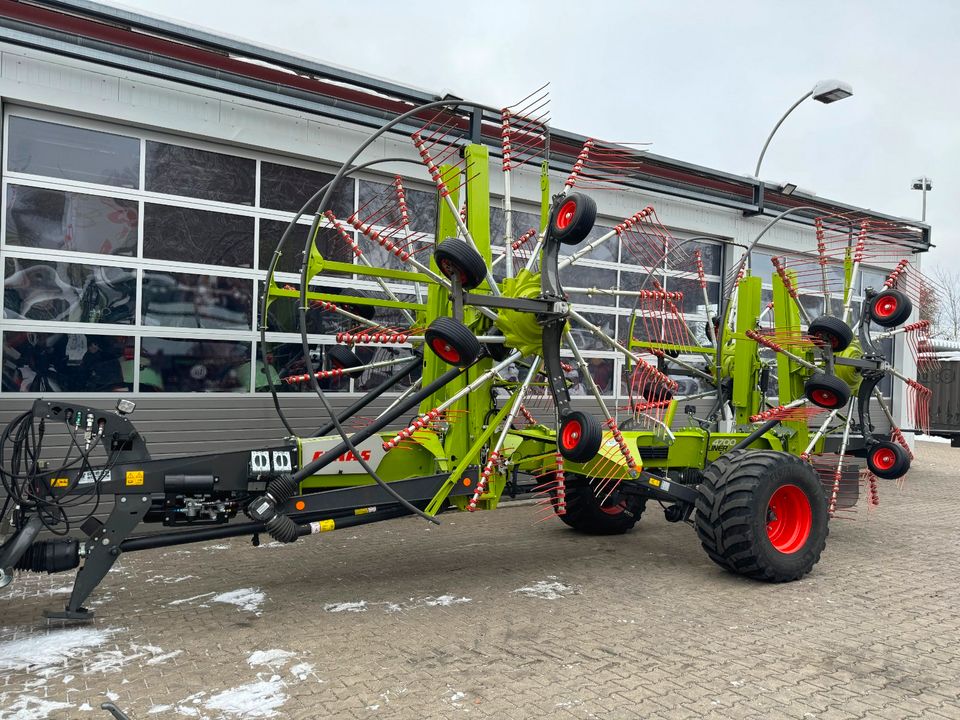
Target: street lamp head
{"x":921,"y":183}
{"x":828,"y":91}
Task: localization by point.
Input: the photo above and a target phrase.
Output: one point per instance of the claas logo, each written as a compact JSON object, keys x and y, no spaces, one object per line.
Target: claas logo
{"x":347,"y":456}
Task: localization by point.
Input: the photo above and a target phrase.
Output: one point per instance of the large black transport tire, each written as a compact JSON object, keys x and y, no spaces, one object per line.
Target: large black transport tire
{"x":593,"y":515}
{"x":762,"y":514}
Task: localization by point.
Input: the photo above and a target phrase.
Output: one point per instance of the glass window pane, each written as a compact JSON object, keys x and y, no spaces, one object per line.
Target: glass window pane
{"x":191,"y":365}
{"x":61,"y":151}
{"x":47,"y":290}
{"x":57,"y":220}
{"x":197,"y":236}
{"x":60,"y":362}
{"x":375,"y":354}
{"x":601,"y":370}
{"x":692,"y":302}
{"x":285,"y":361}
{"x":196,"y":301}
{"x":585,"y":276}
{"x":710,"y":254}
{"x":178,"y":170}
{"x":283,"y":314}
{"x":586,"y":339}
{"x":329,"y":242}
{"x":422,"y":207}
{"x":285,"y":187}
{"x":607,"y":251}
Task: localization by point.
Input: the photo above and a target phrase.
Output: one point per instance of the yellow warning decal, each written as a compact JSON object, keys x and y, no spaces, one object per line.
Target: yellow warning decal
{"x":59,"y":482}
{"x":326,"y":525}
{"x":364,"y":511}
{"x":654,"y":481}
{"x":134,"y":477}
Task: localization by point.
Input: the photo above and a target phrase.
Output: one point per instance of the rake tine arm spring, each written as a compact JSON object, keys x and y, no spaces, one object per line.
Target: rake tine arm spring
{"x":502,"y":437}
{"x":358,"y":253}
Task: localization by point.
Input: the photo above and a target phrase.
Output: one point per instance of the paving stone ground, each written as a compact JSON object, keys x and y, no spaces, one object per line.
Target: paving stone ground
{"x":497,"y":615}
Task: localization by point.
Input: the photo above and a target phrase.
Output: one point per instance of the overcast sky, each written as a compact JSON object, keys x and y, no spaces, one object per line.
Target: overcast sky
{"x":704,"y":81}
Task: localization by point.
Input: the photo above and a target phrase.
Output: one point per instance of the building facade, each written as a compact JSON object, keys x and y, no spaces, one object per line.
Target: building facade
{"x":148,"y":171}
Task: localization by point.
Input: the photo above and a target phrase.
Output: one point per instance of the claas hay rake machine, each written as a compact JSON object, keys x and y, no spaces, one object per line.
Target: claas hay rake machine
{"x":777,"y":438}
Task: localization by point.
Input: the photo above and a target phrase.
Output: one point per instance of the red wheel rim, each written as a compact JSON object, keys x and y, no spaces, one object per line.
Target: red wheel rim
{"x":789,"y":519}
{"x":886,"y":305}
{"x":565,"y":216}
{"x":824,"y":398}
{"x":614,"y":509}
{"x":883,"y":458}
{"x":571,"y":434}
{"x":449,"y":269}
{"x":445,"y":350}
{"x":830,"y":338}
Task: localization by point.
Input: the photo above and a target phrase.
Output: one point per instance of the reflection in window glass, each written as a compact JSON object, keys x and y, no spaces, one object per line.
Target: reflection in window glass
{"x":375,"y":354}
{"x":607,"y":251}
{"x":585,"y":276}
{"x":285,"y":360}
{"x":585,"y":339}
{"x":692,"y":302}
{"x":178,"y":170}
{"x":601,"y":370}
{"x":283,"y":314}
{"x":285,"y":187}
{"x":709,"y":253}
{"x":60,"y":362}
{"x":329,"y":242}
{"x":58,"y":220}
{"x":635,"y":281}
{"x":761,"y":265}
{"x":61,"y":151}
{"x":68,"y":292}
{"x":197,"y":236}
{"x":178,"y":365}
{"x":196,"y":301}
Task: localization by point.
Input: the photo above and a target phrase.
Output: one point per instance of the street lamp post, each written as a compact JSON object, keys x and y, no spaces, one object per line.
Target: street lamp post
{"x":825,"y":91}
{"x":922,"y":183}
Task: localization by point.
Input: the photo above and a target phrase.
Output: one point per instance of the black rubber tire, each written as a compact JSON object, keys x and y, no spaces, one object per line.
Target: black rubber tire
{"x":342,"y":358}
{"x":367,"y":312}
{"x":578,"y":436}
{"x":732,"y":514}
{"x":573,"y":217}
{"x":889,"y":308}
{"x":888,"y":460}
{"x":831,"y":330}
{"x":826,"y":391}
{"x":586,"y":514}
{"x":455,"y":257}
{"x":451,"y":341}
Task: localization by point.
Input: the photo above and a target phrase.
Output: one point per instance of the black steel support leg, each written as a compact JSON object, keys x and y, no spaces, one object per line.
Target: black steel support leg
{"x":103,"y":549}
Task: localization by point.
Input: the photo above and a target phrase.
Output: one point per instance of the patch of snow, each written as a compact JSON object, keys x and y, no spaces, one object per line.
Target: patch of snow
{"x":301,"y":671}
{"x":359,"y":606}
{"x":37,"y":652}
{"x":549,"y":589}
{"x":112,"y":696}
{"x":931,"y":438}
{"x":160,"y":659}
{"x":86,"y":707}
{"x":269,"y":658}
{"x":444,"y":601}
{"x":216,"y":547}
{"x":34,"y":708}
{"x":189,"y":599}
{"x":259,"y":699}
{"x":249,"y":599}
{"x":157,"y":709}
{"x":373,"y":707}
